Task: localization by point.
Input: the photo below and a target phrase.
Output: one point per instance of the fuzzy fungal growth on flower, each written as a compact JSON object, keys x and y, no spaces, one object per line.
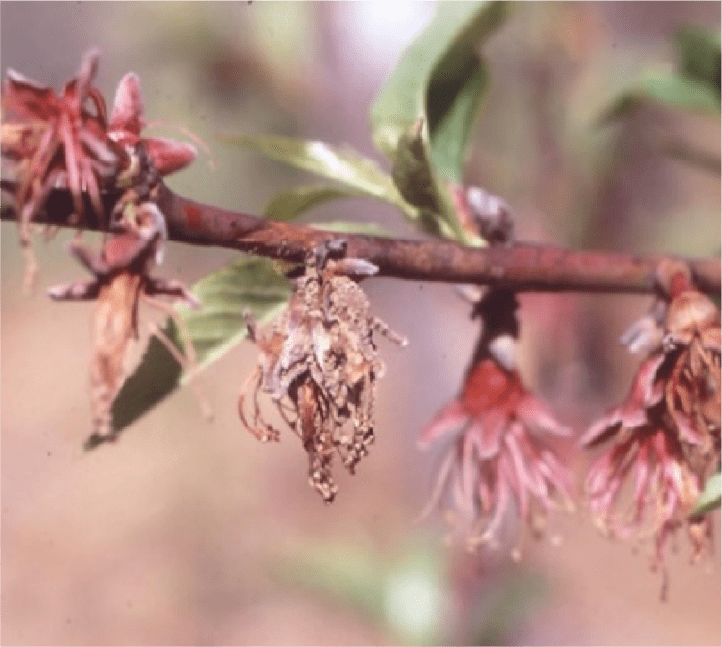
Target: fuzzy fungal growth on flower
{"x":121,"y":277}
{"x":67,"y":141}
{"x":498,"y":464}
{"x":665,"y":436}
{"x":319,"y":364}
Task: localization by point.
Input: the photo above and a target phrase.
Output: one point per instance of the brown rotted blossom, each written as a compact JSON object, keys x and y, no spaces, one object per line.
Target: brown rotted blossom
{"x":121,"y":279}
{"x":67,"y":141}
{"x":319,"y":364}
{"x":666,"y":434}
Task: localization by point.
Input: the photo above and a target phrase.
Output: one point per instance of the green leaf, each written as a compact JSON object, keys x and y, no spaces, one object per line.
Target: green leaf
{"x":287,"y":205}
{"x":710,"y":498}
{"x":700,"y":55}
{"x":668,"y":89}
{"x":347,"y":227}
{"x":423,"y":116}
{"x":354,"y":171}
{"x":250,"y":283}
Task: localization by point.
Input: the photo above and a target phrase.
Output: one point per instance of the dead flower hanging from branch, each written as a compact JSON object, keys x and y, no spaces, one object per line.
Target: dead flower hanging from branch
{"x":52,"y":141}
{"x":665,"y":436}
{"x":319,"y":364}
{"x":121,"y":279}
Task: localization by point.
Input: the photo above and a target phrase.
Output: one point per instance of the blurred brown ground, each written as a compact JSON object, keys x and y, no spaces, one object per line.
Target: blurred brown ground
{"x":167,"y":537}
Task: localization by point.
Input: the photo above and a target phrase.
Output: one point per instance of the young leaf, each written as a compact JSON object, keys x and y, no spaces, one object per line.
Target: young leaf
{"x":346,"y":227}
{"x":694,"y":86}
{"x":669,"y":89}
{"x":249,"y":283}
{"x":341,"y":164}
{"x":287,"y":205}
{"x":710,"y":498}
{"x":422,"y":118}
{"x":700,"y":55}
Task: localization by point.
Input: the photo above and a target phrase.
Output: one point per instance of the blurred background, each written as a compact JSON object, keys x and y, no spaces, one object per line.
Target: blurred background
{"x":190,"y":532}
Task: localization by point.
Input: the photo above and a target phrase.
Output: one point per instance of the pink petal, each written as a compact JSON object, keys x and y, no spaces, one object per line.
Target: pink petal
{"x":530,"y":460}
{"x":486,"y":432}
{"x":602,"y":430}
{"x":518,"y":473}
{"x":469,"y":472}
{"x":538,"y":416}
{"x":128,"y":107}
{"x":450,"y":419}
{"x":87,"y":72}
{"x":646,"y":391}
{"x":687,"y":429}
{"x":27,"y":99}
{"x":169,"y":156}
{"x":641,"y":480}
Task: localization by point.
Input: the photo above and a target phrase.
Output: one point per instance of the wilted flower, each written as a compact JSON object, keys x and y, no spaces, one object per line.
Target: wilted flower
{"x":57,"y":140}
{"x":666,"y":433}
{"x":319,"y":364}
{"x":121,"y":278}
{"x":65,"y":141}
{"x":128,"y":119}
{"x":499,"y":460}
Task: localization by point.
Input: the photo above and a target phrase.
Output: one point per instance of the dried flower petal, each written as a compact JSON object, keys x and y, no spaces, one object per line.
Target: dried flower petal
{"x":319,"y":364}
{"x":121,"y":278}
{"x":666,"y":434}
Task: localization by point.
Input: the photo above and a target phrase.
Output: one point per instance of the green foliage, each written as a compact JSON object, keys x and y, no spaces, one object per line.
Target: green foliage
{"x":671,"y":89}
{"x":421,"y":121}
{"x":410,"y":594}
{"x":247,"y":284}
{"x":422,"y":118}
{"x":361,"y":176}
{"x":347,"y":227}
{"x":699,"y":56}
{"x":290,"y":204}
{"x":694,"y":85}
{"x":711,"y":497}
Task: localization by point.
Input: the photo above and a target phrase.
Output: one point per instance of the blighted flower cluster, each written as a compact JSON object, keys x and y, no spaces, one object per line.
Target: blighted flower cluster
{"x":121,"y":277}
{"x":665,"y":436}
{"x":319,"y":364}
{"x":52,"y":141}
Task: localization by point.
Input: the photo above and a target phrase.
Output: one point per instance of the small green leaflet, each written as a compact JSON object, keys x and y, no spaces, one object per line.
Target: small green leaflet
{"x":669,"y":89}
{"x":250,"y":283}
{"x":290,"y":204}
{"x":423,"y":116}
{"x":694,"y":85}
{"x":710,"y":498}
{"x":362,"y":177}
{"x":348,"y":227}
{"x":699,"y":53}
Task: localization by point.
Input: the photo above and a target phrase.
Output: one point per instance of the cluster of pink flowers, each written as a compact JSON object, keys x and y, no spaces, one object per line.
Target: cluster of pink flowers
{"x":665,"y":436}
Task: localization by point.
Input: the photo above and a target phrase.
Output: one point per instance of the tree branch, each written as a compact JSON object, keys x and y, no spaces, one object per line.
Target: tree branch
{"x":523,"y":267}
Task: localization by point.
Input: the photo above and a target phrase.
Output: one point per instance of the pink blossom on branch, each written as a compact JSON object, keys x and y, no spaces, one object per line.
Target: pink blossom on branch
{"x":499,"y":461}
{"x":65,"y":140}
{"x":665,"y":435}
{"x":128,"y":119}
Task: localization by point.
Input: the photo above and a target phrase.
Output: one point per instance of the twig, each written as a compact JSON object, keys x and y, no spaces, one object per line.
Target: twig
{"x":525,"y":267}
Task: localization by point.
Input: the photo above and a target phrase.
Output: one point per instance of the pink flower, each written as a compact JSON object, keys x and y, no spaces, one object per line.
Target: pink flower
{"x":54,"y":141}
{"x":666,"y":433}
{"x":499,"y":461}
{"x":58,"y":140}
{"x":127,"y":120}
